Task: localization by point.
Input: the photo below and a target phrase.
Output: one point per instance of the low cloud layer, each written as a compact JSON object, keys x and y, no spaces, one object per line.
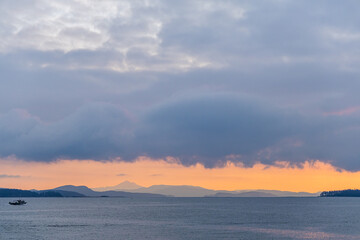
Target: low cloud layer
{"x":210,"y":129}
{"x":9,"y":176}
{"x":200,"y":81}
{"x":96,"y":131}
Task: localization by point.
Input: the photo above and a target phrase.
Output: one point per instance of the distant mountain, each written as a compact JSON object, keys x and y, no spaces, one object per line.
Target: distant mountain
{"x":65,"y":193}
{"x":176,"y":191}
{"x":4,"y":192}
{"x":90,"y":193}
{"x":71,"y":191}
{"x":78,"y":189}
{"x":153,"y":191}
{"x":195,"y":191}
{"x":126,"y":185}
{"x":284,"y":193}
{"x":341,"y":193}
{"x":243,"y":194}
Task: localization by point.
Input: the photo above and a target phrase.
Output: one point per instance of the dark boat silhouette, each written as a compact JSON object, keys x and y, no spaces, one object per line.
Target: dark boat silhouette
{"x":17,"y":202}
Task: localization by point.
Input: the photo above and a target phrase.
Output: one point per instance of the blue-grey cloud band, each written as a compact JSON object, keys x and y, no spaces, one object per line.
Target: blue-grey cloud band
{"x":209,"y":129}
{"x":201,"y":81}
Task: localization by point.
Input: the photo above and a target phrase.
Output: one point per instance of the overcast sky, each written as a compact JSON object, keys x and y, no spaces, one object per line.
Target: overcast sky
{"x":200,"y":81}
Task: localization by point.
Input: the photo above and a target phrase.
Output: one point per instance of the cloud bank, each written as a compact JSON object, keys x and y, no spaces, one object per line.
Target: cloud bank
{"x":9,"y":176}
{"x":200,"y":81}
{"x":210,"y":129}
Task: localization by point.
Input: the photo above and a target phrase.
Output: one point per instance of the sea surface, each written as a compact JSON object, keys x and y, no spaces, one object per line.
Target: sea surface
{"x":181,"y":218}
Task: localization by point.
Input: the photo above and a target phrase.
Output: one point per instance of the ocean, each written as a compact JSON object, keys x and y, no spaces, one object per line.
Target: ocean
{"x":181,"y":218}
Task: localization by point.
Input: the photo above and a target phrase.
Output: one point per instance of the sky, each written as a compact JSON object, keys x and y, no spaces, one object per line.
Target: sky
{"x":231,"y":94}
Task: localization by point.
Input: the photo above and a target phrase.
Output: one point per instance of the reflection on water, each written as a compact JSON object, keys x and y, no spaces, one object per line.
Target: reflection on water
{"x":181,"y":218}
{"x":295,"y":234}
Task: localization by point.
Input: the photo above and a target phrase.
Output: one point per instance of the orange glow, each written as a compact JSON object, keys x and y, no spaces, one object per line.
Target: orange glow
{"x":311,"y":176}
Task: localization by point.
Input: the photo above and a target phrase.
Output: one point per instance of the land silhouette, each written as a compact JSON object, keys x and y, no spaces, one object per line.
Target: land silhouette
{"x":341,"y":193}
{"x":133,"y":190}
{"x":196,"y":191}
{"x":72,"y":191}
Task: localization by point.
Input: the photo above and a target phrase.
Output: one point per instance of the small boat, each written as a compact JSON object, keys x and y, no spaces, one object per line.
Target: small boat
{"x":17,"y":202}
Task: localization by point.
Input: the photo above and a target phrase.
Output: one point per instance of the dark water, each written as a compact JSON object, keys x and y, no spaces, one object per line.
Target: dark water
{"x":181,"y":218}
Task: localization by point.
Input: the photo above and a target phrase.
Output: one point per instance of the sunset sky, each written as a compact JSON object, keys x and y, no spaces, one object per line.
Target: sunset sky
{"x":220,"y":94}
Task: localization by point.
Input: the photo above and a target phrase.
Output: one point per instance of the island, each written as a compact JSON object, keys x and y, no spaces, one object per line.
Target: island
{"x":341,"y":193}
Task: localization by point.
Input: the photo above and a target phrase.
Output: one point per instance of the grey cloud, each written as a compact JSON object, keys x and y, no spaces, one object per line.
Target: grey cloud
{"x":159,"y":67}
{"x":95,"y":131}
{"x":156,"y":175}
{"x":188,"y":35}
{"x":210,"y":129}
{"x":9,"y":176}
{"x":122,"y":174}
{"x":333,"y":139}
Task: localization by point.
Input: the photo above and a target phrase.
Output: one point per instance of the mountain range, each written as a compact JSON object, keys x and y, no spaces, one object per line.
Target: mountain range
{"x":195,"y":191}
{"x":72,"y":191}
{"x":91,"y":193}
{"x":133,"y":190}
{"x":6,"y":192}
{"x":126,"y":185}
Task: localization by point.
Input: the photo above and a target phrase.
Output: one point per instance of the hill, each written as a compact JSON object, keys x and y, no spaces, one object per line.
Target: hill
{"x":341,"y":193}
{"x":177,"y":191}
{"x":5,"y":192}
{"x":91,"y":193}
{"x":195,"y":191}
{"x":243,"y":194}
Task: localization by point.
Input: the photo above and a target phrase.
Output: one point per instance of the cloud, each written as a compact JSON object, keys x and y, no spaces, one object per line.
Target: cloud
{"x":168,"y":36}
{"x":210,"y":127}
{"x":95,"y":131}
{"x":156,"y":175}
{"x":128,"y":29}
{"x":199,"y":81}
{"x":9,"y":176}
{"x":122,"y":174}
{"x":207,"y":128}
{"x":55,"y":26}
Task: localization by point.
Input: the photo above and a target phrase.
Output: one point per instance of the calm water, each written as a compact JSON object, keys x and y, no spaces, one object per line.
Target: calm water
{"x":181,"y":218}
